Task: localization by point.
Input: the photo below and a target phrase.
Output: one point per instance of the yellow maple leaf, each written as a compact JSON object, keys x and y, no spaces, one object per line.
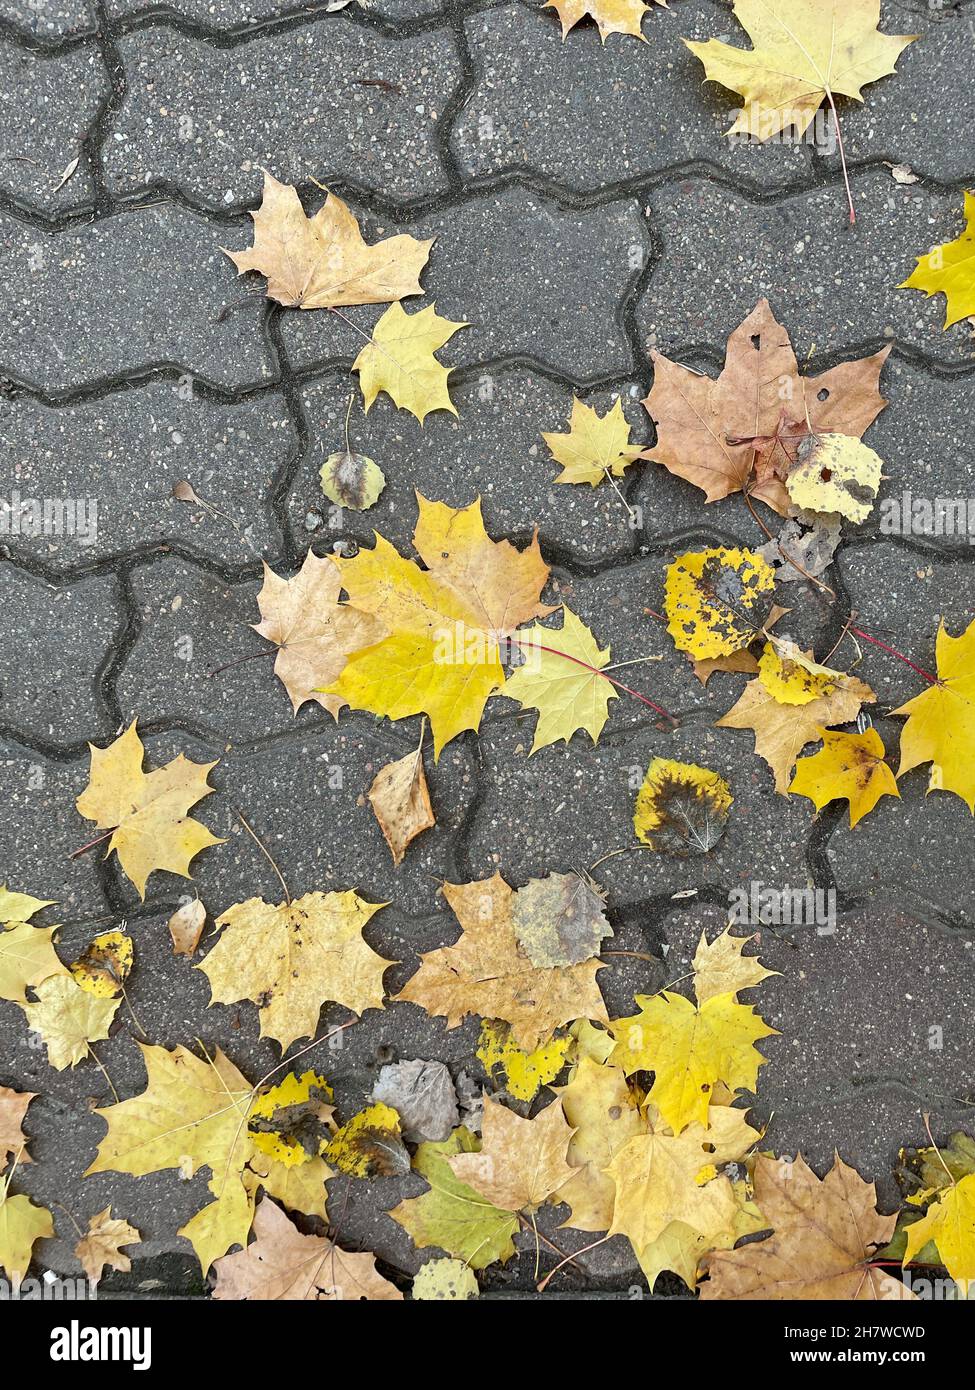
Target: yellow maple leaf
{"x":596,"y":446}
{"x":192,"y":1114}
{"x":68,"y":1018}
{"x":835,"y":473}
{"x":714,"y":600}
{"x":27,"y":957}
{"x":803,"y":54}
{"x":721,"y":968}
{"x":560,"y":677}
{"x":521,"y":1162}
{"x":323,"y":261}
{"x":22,"y":1224}
{"x":940,"y":728}
{"x":661,"y":1178}
{"x":146,"y":811}
{"x":681,"y":808}
{"x":849,"y":767}
{"x":20,"y":907}
{"x":293,"y":957}
{"x":950,"y":1223}
{"x":612,"y":16}
{"x":782,"y":731}
{"x":604,"y":1112}
{"x":486,"y":972}
{"x":446,"y":624}
{"x":313,"y":631}
{"x":950,"y":270}
{"x":690,"y":1050}
{"x":399,"y":360}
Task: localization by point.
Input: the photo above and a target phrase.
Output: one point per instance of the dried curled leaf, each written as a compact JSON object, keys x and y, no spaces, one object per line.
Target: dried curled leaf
{"x":423,"y":1095}
{"x":13,"y":1140}
{"x":323,"y":261}
{"x":681,"y":808}
{"x":791,"y":677}
{"x":400,"y":800}
{"x":716,"y":600}
{"x":104,"y":965}
{"x":370,"y":1145}
{"x":186,"y":927}
{"x":290,"y":1122}
{"x":102,"y":1243}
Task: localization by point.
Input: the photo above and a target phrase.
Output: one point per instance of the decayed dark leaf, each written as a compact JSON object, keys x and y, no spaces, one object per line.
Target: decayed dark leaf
{"x":808,"y":538}
{"x":370,"y":1145}
{"x":717,"y":600}
{"x":681,"y":809}
{"x":423,"y":1095}
{"x":559,"y":920}
{"x":352,"y":480}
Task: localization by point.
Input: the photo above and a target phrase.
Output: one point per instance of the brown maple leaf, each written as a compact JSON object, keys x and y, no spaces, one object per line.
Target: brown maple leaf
{"x":13,"y":1140}
{"x":521,"y":1162}
{"x":741,"y":432}
{"x":824,"y":1235}
{"x":488,"y":973}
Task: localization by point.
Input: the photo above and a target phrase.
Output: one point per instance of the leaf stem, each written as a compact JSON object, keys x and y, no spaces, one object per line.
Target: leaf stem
{"x":932,"y":680}
{"x":91,"y":843}
{"x":554,"y":651}
{"x":264,"y":850}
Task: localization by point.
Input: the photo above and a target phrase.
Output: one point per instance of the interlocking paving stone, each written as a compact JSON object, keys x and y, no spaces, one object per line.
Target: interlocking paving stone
{"x":63,"y":634}
{"x":40,"y":133}
{"x":223,"y":15}
{"x":128,"y":449}
{"x":39,"y":832}
{"x":124,"y":294}
{"x":301,"y":104}
{"x":830,"y":284}
{"x":533,"y":279}
{"x":492,"y":448}
{"x":587,"y":115}
{"x":49,"y":19}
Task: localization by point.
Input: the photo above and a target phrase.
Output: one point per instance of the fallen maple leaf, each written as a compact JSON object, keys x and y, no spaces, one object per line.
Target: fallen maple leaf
{"x":690,"y":1050}
{"x":313,"y":632}
{"x":805,"y":52}
{"x":612,"y":16}
{"x":192,"y":1114}
{"x":282,"y":1264}
{"x":950,"y":1223}
{"x":521,"y":1163}
{"x":446,"y":624}
{"x":715,"y":600}
{"x":146,"y":811}
{"x":293,"y":957}
{"x":782,"y":731}
{"x":27,"y":957}
{"x":101,"y":1245}
{"x":322,"y":261}
{"x":596,"y":446}
{"x":488,"y":973}
{"x":824,"y":1234}
{"x":720,"y":968}
{"x":940,"y":727}
{"x":400,"y":800}
{"x":452,"y":1215}
{"x":849,"y":767}
{"x":560,"y":677}
{"x":604,"y":1112}
{"x":950,"y":270}
{"x":68,"y":1018}
{"x":681,"y":809}
{"x":13,"y":1140}
{"x":22,"y":1224}
{"x":399,"y":360}
{"x":661,"y":1179}
{"x":742,"y":432}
